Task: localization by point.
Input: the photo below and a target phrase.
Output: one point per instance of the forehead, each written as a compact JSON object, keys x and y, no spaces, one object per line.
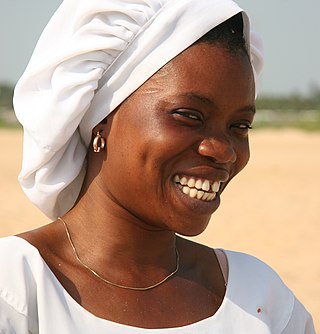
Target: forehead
{"x":211,"y":69}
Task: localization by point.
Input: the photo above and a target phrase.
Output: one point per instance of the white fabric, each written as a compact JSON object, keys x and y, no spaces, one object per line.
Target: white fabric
{"x":33,"y":301}
{"x":91,"y":56}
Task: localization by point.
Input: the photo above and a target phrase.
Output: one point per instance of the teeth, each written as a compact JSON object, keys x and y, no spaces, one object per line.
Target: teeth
{"x":186,"y":190}
{"x":205,"y":196}
{"x":206,"y":185}
{"x":200,"y":194}
{"x":197,"y":188}
{"x":215,"y":186}
{"x":198,"y":184}
{"x":184,"y":181}
{"x":211,"y":197}
{"x":193,"y":193}
{"x":191,"y":183}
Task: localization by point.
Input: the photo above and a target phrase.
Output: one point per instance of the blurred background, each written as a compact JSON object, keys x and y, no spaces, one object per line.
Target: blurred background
{"x":272,"y":210}
{"x":289,"y":29}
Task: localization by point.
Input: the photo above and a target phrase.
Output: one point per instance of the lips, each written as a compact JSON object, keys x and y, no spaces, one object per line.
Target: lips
{"x":200,"y":189}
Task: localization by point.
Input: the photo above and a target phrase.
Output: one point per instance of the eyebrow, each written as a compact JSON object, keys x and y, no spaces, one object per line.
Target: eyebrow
{"x":250,"y":108}
{"x":209,"y":102}
{"x":199,"y":97}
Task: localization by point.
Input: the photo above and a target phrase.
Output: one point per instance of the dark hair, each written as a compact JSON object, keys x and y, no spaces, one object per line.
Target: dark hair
{"x":228,"y":34}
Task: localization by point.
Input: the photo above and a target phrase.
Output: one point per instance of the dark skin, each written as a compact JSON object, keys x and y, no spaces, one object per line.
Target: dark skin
{"x":190,"y":119}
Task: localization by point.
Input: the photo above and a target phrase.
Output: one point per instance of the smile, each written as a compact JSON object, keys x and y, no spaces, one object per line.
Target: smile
{"x":203,"y":190}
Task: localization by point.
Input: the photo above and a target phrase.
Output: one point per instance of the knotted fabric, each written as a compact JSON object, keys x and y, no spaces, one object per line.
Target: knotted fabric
{"x":90,"y":57}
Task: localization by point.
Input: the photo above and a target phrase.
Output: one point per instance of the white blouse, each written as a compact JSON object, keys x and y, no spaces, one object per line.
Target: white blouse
{"x":32,"y":300}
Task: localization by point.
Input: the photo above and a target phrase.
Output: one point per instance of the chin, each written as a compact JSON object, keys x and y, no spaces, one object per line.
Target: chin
{"x":194,"y":228}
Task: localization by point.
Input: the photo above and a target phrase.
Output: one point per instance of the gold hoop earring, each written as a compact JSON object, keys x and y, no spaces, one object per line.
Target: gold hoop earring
{"x":98,"y":143}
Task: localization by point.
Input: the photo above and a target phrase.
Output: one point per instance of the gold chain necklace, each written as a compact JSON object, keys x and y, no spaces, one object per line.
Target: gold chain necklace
{"x":112,"y":283}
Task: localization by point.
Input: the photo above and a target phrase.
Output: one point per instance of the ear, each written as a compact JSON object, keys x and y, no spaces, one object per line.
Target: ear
{"x":101,"y":127}
{"x":104,"y":127}
{"x":95,"y":159}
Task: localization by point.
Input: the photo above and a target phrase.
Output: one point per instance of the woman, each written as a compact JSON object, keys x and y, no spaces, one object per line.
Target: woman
{"x":136,"y":117}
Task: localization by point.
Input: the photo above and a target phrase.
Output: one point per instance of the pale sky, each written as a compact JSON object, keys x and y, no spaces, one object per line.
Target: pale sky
{"x":290,"y":30}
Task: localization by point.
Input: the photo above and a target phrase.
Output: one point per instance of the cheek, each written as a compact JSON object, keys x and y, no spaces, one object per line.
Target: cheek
{"x":135,"y":159}
{"x":136,"y":172}
{"x":243,"y":155}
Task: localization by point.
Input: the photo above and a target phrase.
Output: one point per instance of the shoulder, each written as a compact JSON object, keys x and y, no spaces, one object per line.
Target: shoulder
{"x":300,"y":321}
{"x":251,"y":268}
{"x":250,"y":276}
{"x":16,"y":253}
{"x":20,"y":263}
{"x":257,"y":288}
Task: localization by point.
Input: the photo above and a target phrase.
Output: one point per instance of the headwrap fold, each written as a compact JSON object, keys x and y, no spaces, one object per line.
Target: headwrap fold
{"x":90,"y":57}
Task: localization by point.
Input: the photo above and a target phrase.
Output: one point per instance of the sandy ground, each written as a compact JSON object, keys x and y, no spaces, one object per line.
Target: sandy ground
{"x":272,"y":210}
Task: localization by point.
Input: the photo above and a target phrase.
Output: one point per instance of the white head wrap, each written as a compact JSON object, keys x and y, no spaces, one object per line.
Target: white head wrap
{"x":91,"y":56}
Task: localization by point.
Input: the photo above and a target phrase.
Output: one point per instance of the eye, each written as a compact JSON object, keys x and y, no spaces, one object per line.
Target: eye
{"x":242,"y":127}
{"x":189,"y":117}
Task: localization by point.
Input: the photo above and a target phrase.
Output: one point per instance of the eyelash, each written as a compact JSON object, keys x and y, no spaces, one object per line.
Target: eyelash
{"x":194,"y":116}
{"x":241,"y":129}
{"x":242,"y":126}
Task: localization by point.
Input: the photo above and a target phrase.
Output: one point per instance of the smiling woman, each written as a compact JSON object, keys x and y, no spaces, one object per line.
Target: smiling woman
{"x":197,"y":132}
{"x":136,"y":117}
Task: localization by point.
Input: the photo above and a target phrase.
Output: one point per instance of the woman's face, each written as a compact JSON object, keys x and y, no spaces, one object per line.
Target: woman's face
{"x":178,"y":140}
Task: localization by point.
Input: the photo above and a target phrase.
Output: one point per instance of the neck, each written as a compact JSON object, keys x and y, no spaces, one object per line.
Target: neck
{"x":108,"y":236}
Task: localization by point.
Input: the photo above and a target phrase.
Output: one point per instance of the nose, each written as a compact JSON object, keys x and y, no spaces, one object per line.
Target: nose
{"x":219,"y":149}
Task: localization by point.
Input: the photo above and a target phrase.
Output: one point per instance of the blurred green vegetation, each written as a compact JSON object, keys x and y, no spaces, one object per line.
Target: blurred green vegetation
{"x":6,"y":95}
{"x":293,"y":102}
{"x":298,"y":111}
{"x":303,"y":119}
{"x":7,"y":117}
{"x":294,"y":111}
